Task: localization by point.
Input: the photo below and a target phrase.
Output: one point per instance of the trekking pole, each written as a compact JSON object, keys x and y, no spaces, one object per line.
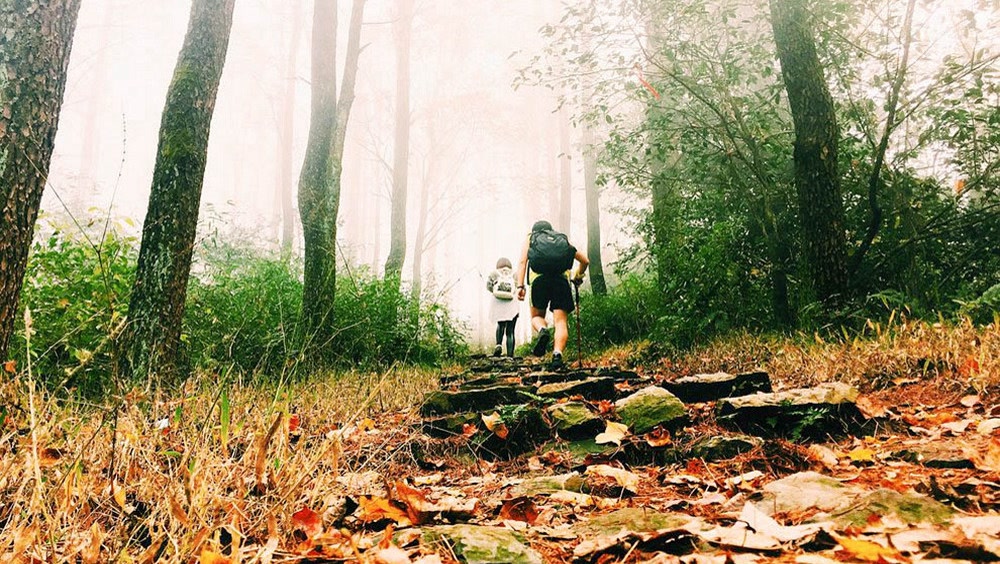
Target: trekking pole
{"x":579,"y":335}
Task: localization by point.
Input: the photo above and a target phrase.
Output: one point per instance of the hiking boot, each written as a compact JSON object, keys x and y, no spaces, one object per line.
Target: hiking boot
{"x":556,"y":363}
{"x":542,"y":343}
{"x":497,"y":350}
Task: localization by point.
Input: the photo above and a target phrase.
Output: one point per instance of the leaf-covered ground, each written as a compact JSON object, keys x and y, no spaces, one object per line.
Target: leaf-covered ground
{"x":336,"y":469}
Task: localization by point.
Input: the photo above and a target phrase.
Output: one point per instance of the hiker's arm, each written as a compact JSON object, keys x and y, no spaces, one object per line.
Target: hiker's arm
{"x":522,"y":270}
{"x":584,"y":263}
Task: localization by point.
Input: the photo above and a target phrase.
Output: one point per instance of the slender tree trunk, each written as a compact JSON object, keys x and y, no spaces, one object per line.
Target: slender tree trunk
{"x":319,"y":181}
{"x":156,"y":307}
{"x":418,"y":244}
{"x":593,"y":196}
{"x":36,"y":38}
{"x":401,"y":145}
{"x":286,"y":179}
{"x":817,"y":183}
{"x":565,"y":174}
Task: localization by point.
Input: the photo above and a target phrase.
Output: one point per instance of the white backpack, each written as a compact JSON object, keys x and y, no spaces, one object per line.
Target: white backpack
{"x":503,"y":287}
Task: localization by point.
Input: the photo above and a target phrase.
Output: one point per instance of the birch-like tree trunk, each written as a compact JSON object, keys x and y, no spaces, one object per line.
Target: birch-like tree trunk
{"x":401,"y":145}
{"x":36,"y":37}
{"x":149,"y":349}
{"x":319,"y":181}
{"x":593,"y":200}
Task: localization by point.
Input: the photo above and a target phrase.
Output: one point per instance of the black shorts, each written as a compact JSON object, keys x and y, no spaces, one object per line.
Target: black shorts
{"x":552,"y":292}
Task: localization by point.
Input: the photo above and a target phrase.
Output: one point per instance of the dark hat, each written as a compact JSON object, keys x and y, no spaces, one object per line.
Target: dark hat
{"x":504,"y":262}
{"x":541,"y":225}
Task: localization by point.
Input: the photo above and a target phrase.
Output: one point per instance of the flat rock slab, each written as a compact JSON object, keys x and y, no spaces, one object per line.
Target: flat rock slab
{"x":574,"y":420}
{"x":721,"y":448}
{"x":633,"y":519}
{"x":448,"y":425}
{"x":592,"y":389}
{"x":807,"y":492}
{"x":441,"y":402}
{"x":541,"y":485}
{"x":827,"y":410}
{"x":711,"y":387}
{"x":910,"y":508}
{"x":649,"y":407}
{"x":475,"y":544}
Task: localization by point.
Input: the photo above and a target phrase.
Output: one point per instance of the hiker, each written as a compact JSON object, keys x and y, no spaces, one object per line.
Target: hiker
{"x":504,"y":309}
{"x":549,"y":256}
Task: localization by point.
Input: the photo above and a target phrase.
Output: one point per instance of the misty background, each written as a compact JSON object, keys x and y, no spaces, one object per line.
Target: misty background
{"x":487,"y":157}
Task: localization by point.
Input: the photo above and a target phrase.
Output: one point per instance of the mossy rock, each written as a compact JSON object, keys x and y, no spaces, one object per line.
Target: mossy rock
{"x":574,"y":420}
{"x":722,"y":447}
{"x":591,"y":388}
{"x":910,"y":508}
{"x":648,"y":408}
{"x":634,"y":519}
{"x":475,"y":544}
{"x":440,"y":402}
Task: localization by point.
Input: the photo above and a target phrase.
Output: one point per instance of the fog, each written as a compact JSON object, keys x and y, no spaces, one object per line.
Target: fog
{"x":486,"y":155}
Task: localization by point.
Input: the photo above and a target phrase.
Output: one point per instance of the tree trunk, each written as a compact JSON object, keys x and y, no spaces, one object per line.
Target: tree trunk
{"x":817,"y":183}
{"x":156,"y":307}
{"x":593,"y":196}
{"x":420,"y":240}
{"x":401,"y":145}
{"x":565,"y":174}
{"x":319,"y":181}
{"x":286,"y":181}
{"x":35,"y":44}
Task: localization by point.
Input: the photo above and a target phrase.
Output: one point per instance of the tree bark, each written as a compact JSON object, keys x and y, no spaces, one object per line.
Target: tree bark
{"x":593,"y":197}
{"x":36,"y":37}
{"x":319,"y":181}
{"x":152,"y":337}
{"x":565,"y":174}
{"x":401,"y":145}
{"x":817,"y":182}
{"x":286,"y":181}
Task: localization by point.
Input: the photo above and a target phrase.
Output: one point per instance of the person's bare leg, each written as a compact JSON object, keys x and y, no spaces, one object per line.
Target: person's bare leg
{"x":537,"y":319}
{"x":561,"y":321}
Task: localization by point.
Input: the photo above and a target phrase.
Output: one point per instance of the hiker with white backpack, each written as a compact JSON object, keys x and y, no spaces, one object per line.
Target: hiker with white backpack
{"x":549,"y":256}
{"x":504,"y":309}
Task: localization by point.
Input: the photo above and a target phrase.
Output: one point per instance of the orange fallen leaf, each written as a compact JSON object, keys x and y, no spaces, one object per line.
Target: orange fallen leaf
{"x":10,"y":366}
{"x":415,"y":502}
{"x":989,"y":460}
{"x":308,"y":521}
{"x":658,"y":438}
{"x":519,"y":509}
{"x":49,"y":456}
{"x":372,"y":509}
{"x":293,"y":422}
{"x":211,"y":557}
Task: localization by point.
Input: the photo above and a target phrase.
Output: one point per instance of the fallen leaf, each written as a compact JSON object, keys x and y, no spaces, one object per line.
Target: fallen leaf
{"x":495,"y":424}
{"x":469,"y":429}
{"x":623,"y":478}
{"x":211,"y":557}
{"x":428,"y":480}
{"x":372,"y":509}
{"x":49,"y":457}
{"x":519,"y":509}
{"x":118,"y":493}
{"x":658,"y":438}
{"x":970,"y":401}
{"x":867,"y":550}
{"x":613,"y":433}
{"x":957,"y":427}
{"x":391,"y":555}
{"x":293,"y":422}
{"x":824,"y":455}
{"x":10,"y":366}
{"x":308,"y":521}
{"x":988,"y":426}
{"x":989,"y":460}
{"x":870,"y":407}
{"x":862,"y":455}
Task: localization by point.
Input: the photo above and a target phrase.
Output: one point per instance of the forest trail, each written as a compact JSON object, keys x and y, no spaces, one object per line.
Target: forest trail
{"x":512,"y":463}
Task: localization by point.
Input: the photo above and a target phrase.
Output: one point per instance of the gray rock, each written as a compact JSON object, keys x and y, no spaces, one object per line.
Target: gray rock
{"x":449,"y":425}
{"x":711,"y":387}
{"x":573,"y":420}
{"x":591,"y":388}
{"x":649,"y":407}
{"x":817,"y":413}
{"x":475,"y":544}
{"x":721,"y":448}
{"x":440,"y":402}
{"x":910,"y":507}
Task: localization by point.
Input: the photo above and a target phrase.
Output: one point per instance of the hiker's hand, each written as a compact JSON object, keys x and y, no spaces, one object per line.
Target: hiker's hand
{"x":577,"y":280}
{"x":520,"y":293}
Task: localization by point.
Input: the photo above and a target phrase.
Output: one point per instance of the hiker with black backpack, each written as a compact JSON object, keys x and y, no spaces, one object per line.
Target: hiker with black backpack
{"x":546,"y":260}
{"x":504,"y":308}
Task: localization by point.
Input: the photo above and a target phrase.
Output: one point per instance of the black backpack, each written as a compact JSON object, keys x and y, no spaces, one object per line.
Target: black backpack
{"x":549,"y":252}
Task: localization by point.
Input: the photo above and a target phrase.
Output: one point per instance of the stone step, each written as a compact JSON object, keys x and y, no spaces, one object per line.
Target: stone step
{"x":712,"y":387}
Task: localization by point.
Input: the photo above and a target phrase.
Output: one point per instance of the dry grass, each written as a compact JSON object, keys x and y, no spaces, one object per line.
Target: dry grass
{"x":959,"y":355}
{"x":149,"y":478}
